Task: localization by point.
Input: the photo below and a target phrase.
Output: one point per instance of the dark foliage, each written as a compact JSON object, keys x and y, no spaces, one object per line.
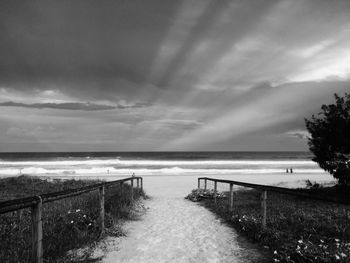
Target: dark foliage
{"x":330,"y":138}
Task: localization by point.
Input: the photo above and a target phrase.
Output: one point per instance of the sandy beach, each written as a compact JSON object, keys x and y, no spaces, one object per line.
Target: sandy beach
{"x":176,"y":230}
{"x":173,"y":229}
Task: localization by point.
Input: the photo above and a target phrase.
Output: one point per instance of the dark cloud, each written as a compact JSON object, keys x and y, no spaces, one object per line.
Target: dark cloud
{"x":66,"y":41}
{"x":72,"y":106}
{"x":244,"y":72}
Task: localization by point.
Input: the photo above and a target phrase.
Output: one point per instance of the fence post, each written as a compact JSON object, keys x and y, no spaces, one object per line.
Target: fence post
{"x":19,"y":215}
{"x":132,"y":189}
{"x":141,"y":184}
{"x":263,"y":208}
{"x":215,"y":190}
{"x":37,"y":231}
{"x":102,"y":208}
{"x":199,"y":183}
{"x":231,"y":197}
{"x":138,"y":183}
{"x":205,"y":184}
{"x":121,"y":185}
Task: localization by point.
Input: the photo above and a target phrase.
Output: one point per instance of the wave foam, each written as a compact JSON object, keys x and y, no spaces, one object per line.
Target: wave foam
{"x":119,"y":162}
{"x":145,"y":171}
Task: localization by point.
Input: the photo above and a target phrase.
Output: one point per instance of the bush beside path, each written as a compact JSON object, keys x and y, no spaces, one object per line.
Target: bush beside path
{"x":298,"y":230}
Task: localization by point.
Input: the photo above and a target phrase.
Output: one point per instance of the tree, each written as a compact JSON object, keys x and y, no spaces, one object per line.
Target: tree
{"x":330,"y":138}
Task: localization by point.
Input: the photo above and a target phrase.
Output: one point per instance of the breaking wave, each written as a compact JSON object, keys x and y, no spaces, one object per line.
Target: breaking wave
{"x":154,"y":167}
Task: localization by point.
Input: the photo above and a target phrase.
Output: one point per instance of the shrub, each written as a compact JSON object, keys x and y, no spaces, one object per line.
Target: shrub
{"x":330,"y":140}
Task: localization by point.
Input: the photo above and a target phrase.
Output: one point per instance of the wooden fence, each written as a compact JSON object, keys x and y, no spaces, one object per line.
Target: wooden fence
{"x":36,"y":202}
{"x":264,"y":189}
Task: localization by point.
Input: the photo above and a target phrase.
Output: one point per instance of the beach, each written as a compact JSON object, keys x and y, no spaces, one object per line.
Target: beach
{"x":174,"y":229}
{"x":170,"y":174}
{"x":177,"y":230}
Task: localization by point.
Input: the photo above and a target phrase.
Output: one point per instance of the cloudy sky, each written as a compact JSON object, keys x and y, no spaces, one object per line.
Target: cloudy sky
{"x":167,"y":74}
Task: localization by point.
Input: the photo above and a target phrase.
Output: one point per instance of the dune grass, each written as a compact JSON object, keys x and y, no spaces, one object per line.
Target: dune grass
{"x":298,"y":230}
{"x":68,"y":224}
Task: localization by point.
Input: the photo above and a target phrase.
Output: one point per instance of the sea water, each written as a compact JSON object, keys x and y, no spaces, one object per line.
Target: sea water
{"x":170,"y":173}
{"x":156,"y":163}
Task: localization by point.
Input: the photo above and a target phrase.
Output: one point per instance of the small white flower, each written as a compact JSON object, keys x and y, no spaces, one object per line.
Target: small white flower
{"x":275,"y":252}
{"x":300,"y":241}
{"x":78,"y":210}
{"x":72,"y":222}
{"x":337,"y":257}
{"x":337,"y":240}
{"x":342,"y":255}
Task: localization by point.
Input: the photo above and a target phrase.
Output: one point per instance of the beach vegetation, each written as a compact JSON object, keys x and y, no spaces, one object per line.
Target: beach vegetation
{"x":330,"y":140}
{"x":199,"y":194}
{"x":68,"y":224}
{"x":298,"y":230}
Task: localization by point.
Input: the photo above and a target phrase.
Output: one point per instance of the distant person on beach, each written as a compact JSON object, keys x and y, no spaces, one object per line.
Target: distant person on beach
{"x":287,"y":171}
{"x":133,"y":174}
{"x":291,"y":170}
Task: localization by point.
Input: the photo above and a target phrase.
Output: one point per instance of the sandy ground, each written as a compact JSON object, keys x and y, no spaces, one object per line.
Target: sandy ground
{"x":177,"y":230}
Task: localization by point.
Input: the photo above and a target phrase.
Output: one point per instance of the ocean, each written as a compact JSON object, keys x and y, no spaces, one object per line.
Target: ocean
{"x":64,"y":164}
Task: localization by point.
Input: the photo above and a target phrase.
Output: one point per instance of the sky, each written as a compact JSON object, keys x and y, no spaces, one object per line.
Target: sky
{"x":168,"y":75}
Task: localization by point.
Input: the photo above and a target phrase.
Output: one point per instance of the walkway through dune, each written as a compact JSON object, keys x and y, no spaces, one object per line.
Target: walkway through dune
{"x":177,"y":230}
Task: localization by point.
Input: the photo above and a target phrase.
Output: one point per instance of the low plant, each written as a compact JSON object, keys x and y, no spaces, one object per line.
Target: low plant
{"x":199,"y":194}
{"x":298,"y":230}
{"x":68,"y":224}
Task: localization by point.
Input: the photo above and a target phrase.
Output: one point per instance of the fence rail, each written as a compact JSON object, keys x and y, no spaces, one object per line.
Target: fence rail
{"x":36,"y":202}
{"x":264,"y":189}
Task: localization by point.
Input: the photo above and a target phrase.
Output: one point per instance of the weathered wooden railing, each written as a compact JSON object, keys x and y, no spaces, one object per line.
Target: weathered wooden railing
{"x":36,"y":202}
{"x":264,"y":189}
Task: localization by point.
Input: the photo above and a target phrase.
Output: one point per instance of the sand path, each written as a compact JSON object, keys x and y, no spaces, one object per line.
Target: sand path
{"x":177,"y":230}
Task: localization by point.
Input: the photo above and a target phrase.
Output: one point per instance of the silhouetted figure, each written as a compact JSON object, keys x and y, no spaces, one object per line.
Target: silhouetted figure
{"x":291,"y":170}
{"x":133,"y":174}
{"x":287,"y":171}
